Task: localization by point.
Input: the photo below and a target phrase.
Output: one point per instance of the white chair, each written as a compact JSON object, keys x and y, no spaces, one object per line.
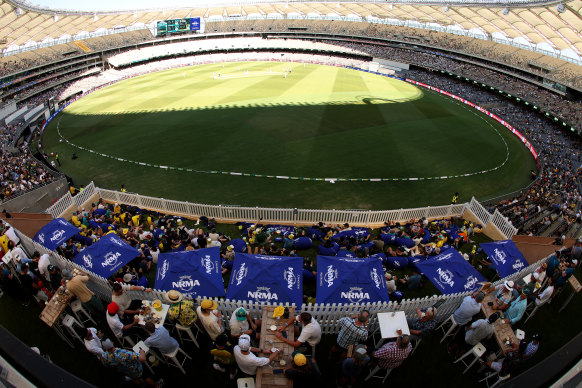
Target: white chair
{"x":447,"y":332}
{"x":519,"y":334}
{"x":376,"y":370}
{"x":174,"y":358}
{"x":190,"y":335}
{"x":245,"y":382}
{"x":497,"y":382}
{"x":477,"y":351}
{"x":148,"y":352}
{"x":69,"y":323}
{"x":78,"y":309}
{"x":126,"y":339}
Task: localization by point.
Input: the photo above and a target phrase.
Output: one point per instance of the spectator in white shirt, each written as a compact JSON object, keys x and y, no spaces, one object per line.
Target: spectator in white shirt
{"x":210,"y":318}
{"x":246,"y":360}
{"x":310,"y":334}
{"x":545,"y":296}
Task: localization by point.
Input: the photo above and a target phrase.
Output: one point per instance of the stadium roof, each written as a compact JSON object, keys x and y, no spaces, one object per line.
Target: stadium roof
{"x":551,"y":27}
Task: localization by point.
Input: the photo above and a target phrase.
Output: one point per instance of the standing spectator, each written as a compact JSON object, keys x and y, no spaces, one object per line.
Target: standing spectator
{"x":393,"y":354}
{"x":470,"y":306}
{"x":94,"y":341}
{"x":127,"y":306}
{"x":353,"y":329}
{"x":545,"y":296}
{"x":76,"y":286}
{"x":210,"y":318}
{"x":303,"y":372}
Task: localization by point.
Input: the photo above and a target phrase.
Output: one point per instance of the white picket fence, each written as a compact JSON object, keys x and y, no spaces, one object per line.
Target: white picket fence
{"x":326,"y":314}
{"x":283,"y":215}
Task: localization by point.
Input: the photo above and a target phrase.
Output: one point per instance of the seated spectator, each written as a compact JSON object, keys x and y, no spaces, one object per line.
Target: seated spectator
{"x":529,"y":349}
{"x":481,"y":329}
{"x":222,"y":353}
{"x":310,"y":334}
{"x":76,"y":286}
{"x":503,"y":296}
{"x":94,"y":341}
{"x":423,"y":324}
{"x":516,"y":310}
{"x":160,"y":338}
{"x":210,"y":318}
{"x":393,"y":354}
{"x":242,"y":323}
{"x":413,"y":282}
{"x":352,"y":367}
{"x":181,"y":310}
{"x":303,"y":371}
{"x":470,"y":306}
{"x":543,"y":297}
{"x":129,"y":364}
{"x":117,"y":327}
{"x":245,"y":358}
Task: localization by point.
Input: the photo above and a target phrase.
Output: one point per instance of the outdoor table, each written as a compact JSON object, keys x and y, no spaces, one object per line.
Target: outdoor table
{"x":389,"y":323}
{"x":576,"y":287}
{"x":54,"y":309}
{"x":265,"y":377}
{"x":162,"y":314}
{"x":503,"y":330}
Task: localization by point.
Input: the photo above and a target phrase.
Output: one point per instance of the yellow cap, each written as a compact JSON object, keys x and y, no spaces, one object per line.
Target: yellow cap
{"x":299,"y":359}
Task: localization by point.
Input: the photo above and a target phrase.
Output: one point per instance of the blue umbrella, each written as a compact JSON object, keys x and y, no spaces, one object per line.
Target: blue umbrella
{"x":350,"y":280}
{"x":193,"y":273}
{"x":505,"y":256}
{"x":450,"y":272}
{"x":55,"y":233}
{"x":106,"y":256}
{"x":266,"y":279}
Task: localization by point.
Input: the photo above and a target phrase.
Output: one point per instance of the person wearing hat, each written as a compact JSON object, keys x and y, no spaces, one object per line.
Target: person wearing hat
{"x":289,"y":242}
{"x":117,"y":327}
{"x":390,"y":283}
{"x":181,"y":310}
{"x":228,"y":259}
{"x":210,"y":318}
{"x":503,"y":296}
{"x":393,"y":354}
{"x":303,"y":371}
{"x":246,"y":359}
{"x":352,"y":366}
{"x":242,"y":323}
{"x":128,"y":364}
{"x":481,"y":329}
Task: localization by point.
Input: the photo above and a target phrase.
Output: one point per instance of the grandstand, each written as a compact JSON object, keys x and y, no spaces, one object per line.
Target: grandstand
{"x":520,"y":61}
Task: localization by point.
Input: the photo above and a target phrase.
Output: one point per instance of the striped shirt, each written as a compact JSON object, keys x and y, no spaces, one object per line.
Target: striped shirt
{"x":350,"y":333}
{"x":391,"y":355}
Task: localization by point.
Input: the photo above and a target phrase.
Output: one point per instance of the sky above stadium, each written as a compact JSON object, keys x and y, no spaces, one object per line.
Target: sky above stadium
{"x":113,"y":5}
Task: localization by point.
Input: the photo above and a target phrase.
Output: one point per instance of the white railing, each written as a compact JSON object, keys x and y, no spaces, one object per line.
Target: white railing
{"x":61,"y":206}
{"x":85,"y":195}
{"x":326,"y":314}
{"x":279,"y":215}
{"x":503,"y":224}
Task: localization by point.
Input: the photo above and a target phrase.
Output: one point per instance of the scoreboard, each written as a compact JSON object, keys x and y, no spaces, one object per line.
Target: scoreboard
{"x":173,"y":26}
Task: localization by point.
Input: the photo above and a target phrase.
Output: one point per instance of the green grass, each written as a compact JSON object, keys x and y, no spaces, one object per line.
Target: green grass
{"x":319,"y":122}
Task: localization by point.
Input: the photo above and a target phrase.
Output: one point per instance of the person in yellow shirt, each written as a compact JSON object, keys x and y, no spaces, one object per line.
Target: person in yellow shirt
{"x":150,"y":221}
{"x":123,"y":216}
{"x":73,"y":190}
{"x":116,"y":209}
{"x":136,"y":219}
{"x":4,"y":243}
{"x":75,"y":220}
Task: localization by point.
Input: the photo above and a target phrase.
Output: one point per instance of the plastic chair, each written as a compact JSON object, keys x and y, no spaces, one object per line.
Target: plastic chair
{"x":449,"y":332}
{"x":245,"y":382}
{"x":188,"y":330}
{"x":78,"y":308}
{"x":497,"y":382}
{"x":376,"y":370}
{"x":477,"y":351}
{"x":69,"y":322}
{"x":174,"y":358}
{"x":531,"y":313}
{"x":520,"y":334}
